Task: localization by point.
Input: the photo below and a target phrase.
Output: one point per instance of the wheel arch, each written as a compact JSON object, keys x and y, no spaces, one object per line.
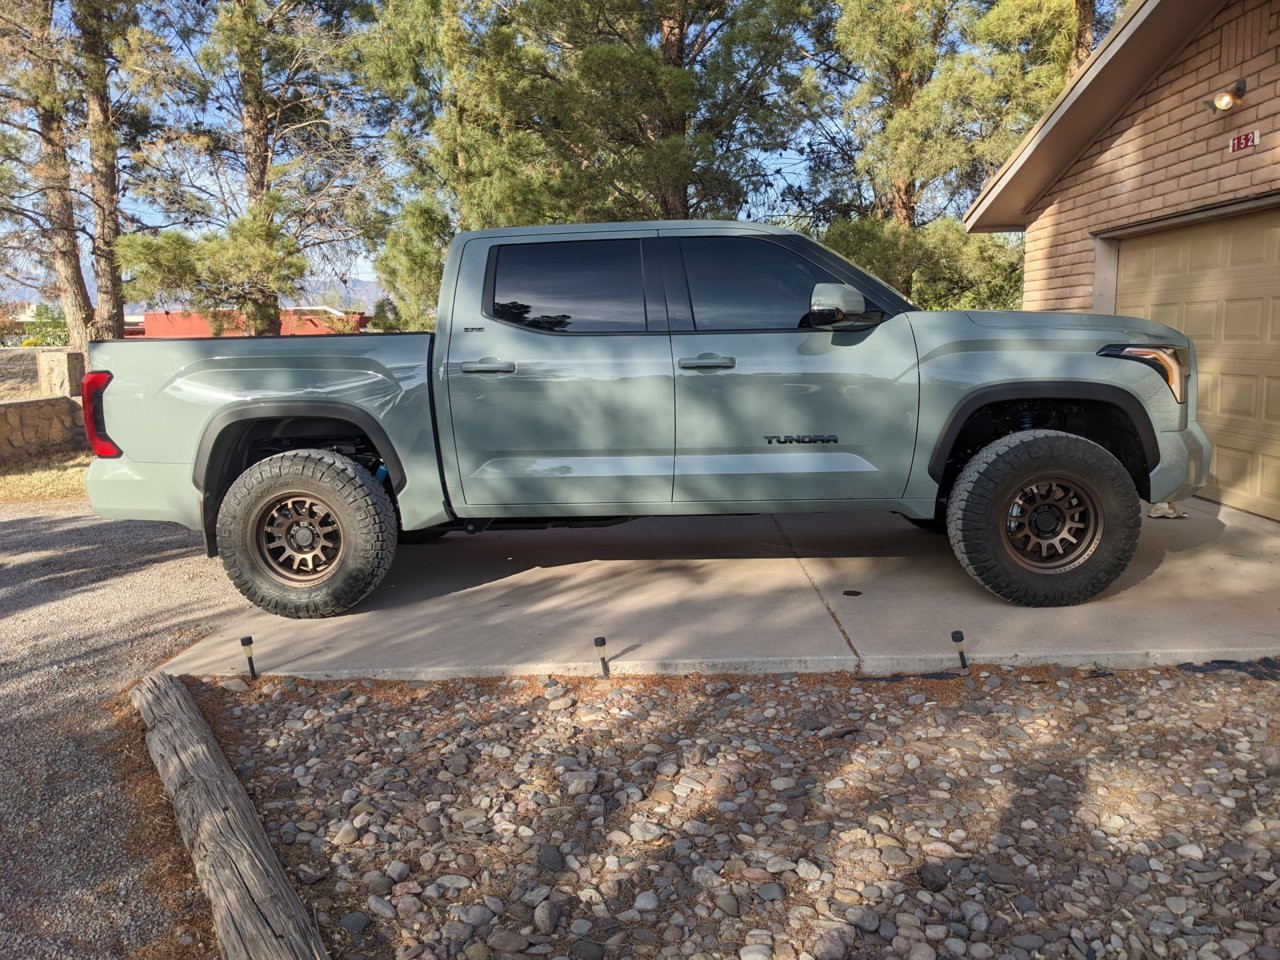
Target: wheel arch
{"x":1126,"y":409}
{"x":220,"y":454}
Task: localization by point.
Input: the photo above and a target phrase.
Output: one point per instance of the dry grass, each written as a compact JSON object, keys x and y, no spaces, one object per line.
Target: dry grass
{"x":59,"y":476}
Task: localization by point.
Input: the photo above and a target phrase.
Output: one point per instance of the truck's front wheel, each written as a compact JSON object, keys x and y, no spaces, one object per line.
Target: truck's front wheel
{"x":306,"y":534}
{"x":1044,"y":519}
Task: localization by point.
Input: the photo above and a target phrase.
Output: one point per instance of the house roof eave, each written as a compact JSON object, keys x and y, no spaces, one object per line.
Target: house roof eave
{"x":1145,"y":40}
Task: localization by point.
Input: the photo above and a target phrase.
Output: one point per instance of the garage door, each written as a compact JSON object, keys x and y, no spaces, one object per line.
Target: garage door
{"x":1219,"y":282}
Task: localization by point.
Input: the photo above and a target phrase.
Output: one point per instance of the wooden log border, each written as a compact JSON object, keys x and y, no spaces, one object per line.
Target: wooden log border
{"x":256,"y":912}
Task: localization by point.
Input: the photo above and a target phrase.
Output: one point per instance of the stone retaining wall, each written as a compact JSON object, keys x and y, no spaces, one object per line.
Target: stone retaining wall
{"x":32,"y":428}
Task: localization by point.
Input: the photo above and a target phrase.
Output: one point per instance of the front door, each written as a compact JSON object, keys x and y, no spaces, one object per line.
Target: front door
{"x":768,"y":410}
{"x":559,"y":374}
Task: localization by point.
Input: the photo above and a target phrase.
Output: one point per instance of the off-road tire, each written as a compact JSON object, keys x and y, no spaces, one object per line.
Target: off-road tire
{"x":358,"y":506}
{"x":1016,"y":470}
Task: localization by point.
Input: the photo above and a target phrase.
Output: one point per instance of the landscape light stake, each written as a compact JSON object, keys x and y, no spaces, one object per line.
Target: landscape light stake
{"x":604,"y":664}
{"x":957,"y":637}
{"x":246,"y":643}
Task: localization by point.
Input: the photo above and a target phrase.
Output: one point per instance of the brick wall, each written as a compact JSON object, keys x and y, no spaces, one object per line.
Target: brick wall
{"x":32,"y":428}
{"x":1165,"y":154}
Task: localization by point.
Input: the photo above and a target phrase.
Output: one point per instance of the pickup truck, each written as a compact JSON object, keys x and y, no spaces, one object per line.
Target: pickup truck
{"x":590,"y":374}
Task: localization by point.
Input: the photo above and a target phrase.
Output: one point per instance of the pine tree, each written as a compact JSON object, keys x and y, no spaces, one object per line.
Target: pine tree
{"x":57,"y":90}
{"x":577,"y":110}
{"x":271,"y":140}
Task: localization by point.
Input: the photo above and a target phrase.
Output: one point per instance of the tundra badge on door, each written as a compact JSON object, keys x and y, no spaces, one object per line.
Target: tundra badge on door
{"x":804,"y":438}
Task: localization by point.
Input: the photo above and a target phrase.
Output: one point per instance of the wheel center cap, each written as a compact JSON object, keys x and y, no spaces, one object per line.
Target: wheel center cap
{"x":1046,"y":520}
{"x":304,"y":536}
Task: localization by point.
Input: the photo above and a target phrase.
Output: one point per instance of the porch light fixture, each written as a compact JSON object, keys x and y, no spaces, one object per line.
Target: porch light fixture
{"x":1224,"y":101}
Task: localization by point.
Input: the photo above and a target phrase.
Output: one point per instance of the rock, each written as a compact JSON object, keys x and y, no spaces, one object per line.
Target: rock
{"x":561,"y":703}
{"x":347,"y":834}
{"x":507,"y":941}
{"x":235,"y":685}
{"x":546,"y":916}
{"x":864,"y":918}
{"x":1028,"y":941}
{"x":354,"y":922}
{"x":755,"y":951}
{"x":769,"y":891}
{"x":780,"y":865}
{"x":549,"y":858}
{"x":476,"y":914}
{"x":455,"y":931}
{"x":727,"y":903}
{"x":309,"y":873}
{"x":647,"y":901}
{"x":1191,"y":851}
{"x":452,"y":881}
{"x":397,"y":870}
{"x":922,"y":951}
{"x":380,"y":907}
{"x":1014,"y":732}
{"x":587,"y":950}
{"x":828,"y":946}
{"x":808,"y":870}
{"x":934,"y":877}
{"x":1001,"y":874}
{"x":578,"y":782}
{"x":644,"y":832}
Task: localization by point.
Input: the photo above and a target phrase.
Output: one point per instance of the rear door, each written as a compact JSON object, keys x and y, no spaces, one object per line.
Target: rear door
{"x":560,"y":375}
{"x":768,"y":410}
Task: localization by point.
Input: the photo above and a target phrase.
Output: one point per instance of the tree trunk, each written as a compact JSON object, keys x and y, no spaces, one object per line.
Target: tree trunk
{"x":1086,"y":20}
{"x":261,"y":317}
{"x":256,"y":912}
{"x":90,"y":18}
{"x":902,"y":203}
{"x":53,"y":174}
{"x":672,"y":194}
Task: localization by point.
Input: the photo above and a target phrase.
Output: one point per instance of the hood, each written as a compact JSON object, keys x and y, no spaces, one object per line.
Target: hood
{"x":1129,"y":329}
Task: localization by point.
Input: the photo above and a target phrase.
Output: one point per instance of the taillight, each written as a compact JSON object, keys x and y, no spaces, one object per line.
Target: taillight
{"x":95,"y":424}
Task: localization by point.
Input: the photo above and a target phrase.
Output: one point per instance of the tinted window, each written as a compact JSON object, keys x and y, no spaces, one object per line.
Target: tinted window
{"x":741,"y":283}
{"x":578,"y":286}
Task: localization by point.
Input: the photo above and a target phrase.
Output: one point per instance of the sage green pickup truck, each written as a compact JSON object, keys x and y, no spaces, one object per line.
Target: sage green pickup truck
{"x":597,"y":373}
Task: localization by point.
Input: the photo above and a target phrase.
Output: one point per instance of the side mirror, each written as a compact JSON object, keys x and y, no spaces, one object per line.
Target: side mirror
{"x":835,"y":305}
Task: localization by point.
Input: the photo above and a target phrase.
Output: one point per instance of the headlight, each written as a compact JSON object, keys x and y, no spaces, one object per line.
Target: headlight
{"x":1169,"y":362}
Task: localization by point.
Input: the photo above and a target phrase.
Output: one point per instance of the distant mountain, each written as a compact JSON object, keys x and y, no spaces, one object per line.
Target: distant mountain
{"x":361,"y":294}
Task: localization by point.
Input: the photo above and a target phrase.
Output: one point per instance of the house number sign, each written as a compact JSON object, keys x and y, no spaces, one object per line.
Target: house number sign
{"x":1244,"y":141}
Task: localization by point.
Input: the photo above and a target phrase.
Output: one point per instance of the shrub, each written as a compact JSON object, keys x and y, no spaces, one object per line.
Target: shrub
{"x":32,"y":342}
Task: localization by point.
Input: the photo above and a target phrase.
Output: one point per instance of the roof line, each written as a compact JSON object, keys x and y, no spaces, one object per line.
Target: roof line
{"x":1078,"y":86}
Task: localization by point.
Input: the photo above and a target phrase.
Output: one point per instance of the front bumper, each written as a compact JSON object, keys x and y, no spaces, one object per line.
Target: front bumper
{"x":1184,"y":464}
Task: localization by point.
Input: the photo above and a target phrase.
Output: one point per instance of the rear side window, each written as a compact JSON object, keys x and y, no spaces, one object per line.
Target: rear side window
{"x":575,"y":286}
{"x":743,"y":283}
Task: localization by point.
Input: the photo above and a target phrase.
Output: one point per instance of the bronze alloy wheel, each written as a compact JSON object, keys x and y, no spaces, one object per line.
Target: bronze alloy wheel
{"x":1052,"y":525}
{"x":299,"y":539}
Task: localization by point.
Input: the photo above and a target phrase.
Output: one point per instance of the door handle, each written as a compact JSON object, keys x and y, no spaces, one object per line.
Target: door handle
{"x":707,"y":361}
{"x":488,"y":365}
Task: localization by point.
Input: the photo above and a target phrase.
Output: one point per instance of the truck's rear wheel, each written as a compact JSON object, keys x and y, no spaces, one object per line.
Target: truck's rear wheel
{"x":1044,"y":519}
{"x":306,"y":534}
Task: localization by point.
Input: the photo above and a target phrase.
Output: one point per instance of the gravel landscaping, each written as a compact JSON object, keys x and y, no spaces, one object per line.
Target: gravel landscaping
{"x":91,"y":863}
{"x":1028,"y":814}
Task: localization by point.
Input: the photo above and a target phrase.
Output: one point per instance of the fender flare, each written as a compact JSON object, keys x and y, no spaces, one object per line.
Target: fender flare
{"x":284,"y":409}
{"x":1107,"y":393}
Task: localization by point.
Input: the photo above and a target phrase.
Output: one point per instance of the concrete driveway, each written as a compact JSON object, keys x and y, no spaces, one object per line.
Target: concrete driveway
{"x":754,"y":594}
